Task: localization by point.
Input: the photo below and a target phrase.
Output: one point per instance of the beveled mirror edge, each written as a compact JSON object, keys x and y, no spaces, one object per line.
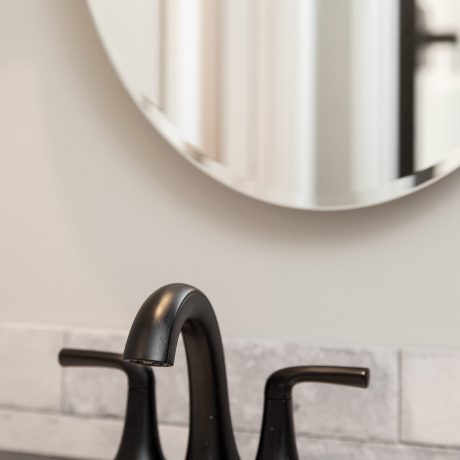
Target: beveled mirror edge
{"x":394,"y":190}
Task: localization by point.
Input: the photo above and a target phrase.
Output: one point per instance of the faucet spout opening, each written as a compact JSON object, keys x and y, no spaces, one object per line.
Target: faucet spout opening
{"x":149,"y":362}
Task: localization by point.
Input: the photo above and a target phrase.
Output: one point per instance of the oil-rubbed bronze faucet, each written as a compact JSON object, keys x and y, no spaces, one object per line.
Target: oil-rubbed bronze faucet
{"x":152,"y":341}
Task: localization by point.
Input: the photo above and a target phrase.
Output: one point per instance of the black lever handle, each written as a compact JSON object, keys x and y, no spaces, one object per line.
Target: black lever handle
{"x":140,"y":439}
{"x":279,"y":385}
{"x":423,"y":35}
{"x":427,"y":38}
{"x":138,"y":376}
{"x":277,"y":439}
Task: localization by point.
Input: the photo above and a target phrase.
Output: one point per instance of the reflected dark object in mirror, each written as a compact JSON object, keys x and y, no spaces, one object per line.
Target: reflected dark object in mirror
{"x":415,"y":38}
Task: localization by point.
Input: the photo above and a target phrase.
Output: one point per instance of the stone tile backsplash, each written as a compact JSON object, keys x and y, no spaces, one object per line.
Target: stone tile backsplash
{"x":321,"y":410}
{"x":430,"y":397}
{"x":411,"y":410}
{"x":92,"y":391}
{"x":29,"y":378}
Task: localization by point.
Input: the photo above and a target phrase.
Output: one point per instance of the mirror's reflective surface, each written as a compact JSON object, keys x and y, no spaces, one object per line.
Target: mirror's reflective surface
{"x":314,"y":104}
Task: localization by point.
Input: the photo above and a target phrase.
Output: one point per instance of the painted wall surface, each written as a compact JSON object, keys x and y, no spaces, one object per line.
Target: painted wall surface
{"x":97,"y":211}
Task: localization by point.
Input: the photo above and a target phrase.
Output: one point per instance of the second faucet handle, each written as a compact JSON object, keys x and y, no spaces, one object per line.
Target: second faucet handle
{"x":277,"y":439}
{"x":140,"y":439}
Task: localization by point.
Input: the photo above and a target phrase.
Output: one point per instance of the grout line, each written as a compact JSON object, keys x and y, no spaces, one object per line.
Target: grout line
{"x":43,"y":411}
{"x":429,"y":446}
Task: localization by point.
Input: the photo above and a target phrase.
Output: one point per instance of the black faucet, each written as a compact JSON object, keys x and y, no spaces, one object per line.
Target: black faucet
{"x":152,"y":341}
{"x":140,"y":439}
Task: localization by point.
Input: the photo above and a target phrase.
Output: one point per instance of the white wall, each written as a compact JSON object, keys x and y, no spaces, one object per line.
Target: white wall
{"x":97,"y":211}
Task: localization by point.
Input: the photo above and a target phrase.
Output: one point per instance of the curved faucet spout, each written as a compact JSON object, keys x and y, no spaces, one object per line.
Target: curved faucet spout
{"x":152,"y":341}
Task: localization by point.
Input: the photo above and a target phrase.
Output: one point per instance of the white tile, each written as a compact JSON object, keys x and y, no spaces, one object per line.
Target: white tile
{"x":175,"y":441}
{"x":431,"y":398}
{"x":323,"y":410}
{"x":88,"y":438}
{"x":59,"y":435}
{"x":322,"y":449}
{"x":19,"y":456}
{"x":172,"y":390}
{"x":75,"y":437}
{"x":102,"y":392}
{"x":31,"y":375}
{"x":320,"y":409}
{"x":93,"y":391}
{"x":325,"y":449}
{"x":369,"y":414}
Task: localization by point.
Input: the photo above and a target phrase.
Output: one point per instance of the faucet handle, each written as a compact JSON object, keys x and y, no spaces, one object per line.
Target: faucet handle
{"x":277,"y":439}
{"x":279,"y":385}
{"x":140,"y":439}
{"x":138,"y":376}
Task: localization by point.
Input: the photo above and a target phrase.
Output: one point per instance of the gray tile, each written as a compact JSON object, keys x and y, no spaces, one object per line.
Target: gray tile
{"x":322,"y":410}
{"x":174,"y":440}
{"x":102,"y":392}
{"x":63,"y":436}
{"x":53,"y":435}
{"x":315,"y":449}
{"x":92,"y":391}
{"x":31,"y":376}
{"x":247,"y":444}
{"x":324,"y":449}
{"x":371,"y":414}
{"x":172,"y":390}
{"x":19,"y":456}
{"x":431,"y":398}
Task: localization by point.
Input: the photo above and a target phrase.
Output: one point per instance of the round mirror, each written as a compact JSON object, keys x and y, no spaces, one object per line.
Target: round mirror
{"x":312,"y":104}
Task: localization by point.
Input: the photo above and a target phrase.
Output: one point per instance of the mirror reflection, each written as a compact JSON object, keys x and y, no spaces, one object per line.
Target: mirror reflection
{"x":315,"y":104}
